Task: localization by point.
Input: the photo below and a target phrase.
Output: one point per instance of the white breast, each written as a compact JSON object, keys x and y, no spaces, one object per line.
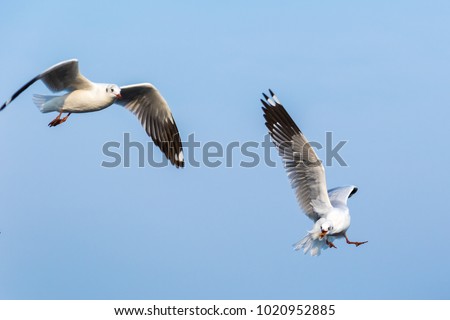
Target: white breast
{"x":95,"y":99}
{"x":340,"y":218}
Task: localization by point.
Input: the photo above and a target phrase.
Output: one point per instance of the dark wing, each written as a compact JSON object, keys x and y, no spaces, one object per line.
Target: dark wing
{"x":62,"y":76}
{"x":303,"y":167}
{"x":145,"y":101}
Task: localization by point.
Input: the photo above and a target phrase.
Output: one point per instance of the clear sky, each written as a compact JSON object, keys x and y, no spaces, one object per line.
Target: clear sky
{"x":373,"y":73}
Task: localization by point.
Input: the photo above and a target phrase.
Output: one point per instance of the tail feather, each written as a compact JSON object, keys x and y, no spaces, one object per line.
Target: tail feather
{"x":311,"y":245}
{"x":41,"y":101}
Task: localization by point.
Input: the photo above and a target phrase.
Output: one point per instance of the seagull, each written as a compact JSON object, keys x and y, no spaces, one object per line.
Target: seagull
{"x":143,"y":99}
{"x":327,"y":209}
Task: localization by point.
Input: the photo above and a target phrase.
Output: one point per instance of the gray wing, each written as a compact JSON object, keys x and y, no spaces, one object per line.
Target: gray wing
{"x":340,"y":195}
{"x":62,"y":76}
{"x":145,"y":101}
{"x":65,"y":76}
{"x":303,"y":167}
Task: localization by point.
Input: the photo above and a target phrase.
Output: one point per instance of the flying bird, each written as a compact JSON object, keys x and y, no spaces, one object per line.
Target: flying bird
{"x":327,"y":209}
{"x":144,"y":100}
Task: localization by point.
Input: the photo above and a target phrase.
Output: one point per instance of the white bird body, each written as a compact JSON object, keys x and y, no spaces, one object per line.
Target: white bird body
{"x":78,"y":101}
{"x":326,"y":208}
{"x":338,"y":218}
{"x":143,"y":99}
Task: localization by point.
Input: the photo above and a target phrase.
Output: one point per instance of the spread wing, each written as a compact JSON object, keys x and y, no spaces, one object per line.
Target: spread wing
{"x":62,"y":76}
{"x":303,"y":167}
{"x":145,"y":101}
{"x":340,"y":195}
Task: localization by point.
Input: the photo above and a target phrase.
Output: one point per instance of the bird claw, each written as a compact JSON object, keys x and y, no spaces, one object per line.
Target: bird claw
{"x":356,"y":243}
{"x":359,"y":243}
{"x":55,"y":122}
{"x":58,"y":120}
{"x":331,"y":244}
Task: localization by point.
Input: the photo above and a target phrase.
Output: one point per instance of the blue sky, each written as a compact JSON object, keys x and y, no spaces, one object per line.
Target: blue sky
{"x":375,"y":74}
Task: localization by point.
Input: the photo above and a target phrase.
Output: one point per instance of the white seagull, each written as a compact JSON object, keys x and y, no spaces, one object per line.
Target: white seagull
{"x":327,"y":209}
{"x":144,"y":100}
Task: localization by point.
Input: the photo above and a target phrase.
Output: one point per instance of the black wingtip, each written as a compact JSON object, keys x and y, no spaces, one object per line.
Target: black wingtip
{"x":18,"y":92}
{"x":179,"y":165}
{"x":355,"y":190}
{"x":266,"y":105}
{"x":274,"y":112}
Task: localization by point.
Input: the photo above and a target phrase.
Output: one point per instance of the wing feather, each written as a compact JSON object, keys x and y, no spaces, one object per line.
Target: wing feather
{"x":62,"y":76}
{"x":340,"y":195}
{"x":65,"y":76}
{"x":303,"y":167}
{"x":152,"y":110}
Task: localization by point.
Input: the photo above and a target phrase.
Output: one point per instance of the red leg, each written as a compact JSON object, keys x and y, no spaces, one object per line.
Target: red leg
{"x":354,"y":242}
{"x":55,"y":121}
{"x":58,"y":120}
{"x":331,"y":244}
{"x":65,"y":118}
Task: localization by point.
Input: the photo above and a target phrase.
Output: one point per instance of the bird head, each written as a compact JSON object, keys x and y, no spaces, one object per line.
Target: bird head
{"x":325,"y":228}
{"x":114,"y":91}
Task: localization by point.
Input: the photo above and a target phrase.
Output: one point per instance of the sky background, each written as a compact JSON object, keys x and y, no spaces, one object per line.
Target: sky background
{"x":373,"y":73}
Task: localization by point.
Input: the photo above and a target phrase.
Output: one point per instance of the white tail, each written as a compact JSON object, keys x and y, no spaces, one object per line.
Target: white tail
{"x":44,"y":104}
{"x":311,"y":245}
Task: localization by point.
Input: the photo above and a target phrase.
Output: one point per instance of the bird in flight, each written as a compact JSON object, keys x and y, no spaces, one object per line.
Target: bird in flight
{"x":144,"y":100}
{"x":327,"y":209}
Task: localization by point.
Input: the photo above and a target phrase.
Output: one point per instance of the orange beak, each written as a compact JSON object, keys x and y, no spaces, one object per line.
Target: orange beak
{"x":323,"y":234}
{"x":118,"y":96}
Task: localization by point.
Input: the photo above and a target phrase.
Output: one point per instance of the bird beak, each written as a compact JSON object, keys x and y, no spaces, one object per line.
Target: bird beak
{"x":118,"y":96}
{"x":322,"y":234}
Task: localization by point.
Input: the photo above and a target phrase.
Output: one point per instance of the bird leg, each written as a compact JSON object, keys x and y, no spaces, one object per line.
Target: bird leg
{"x":58,"y":120}
{"x":331,"y":244}
{"x":356,"y":243}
